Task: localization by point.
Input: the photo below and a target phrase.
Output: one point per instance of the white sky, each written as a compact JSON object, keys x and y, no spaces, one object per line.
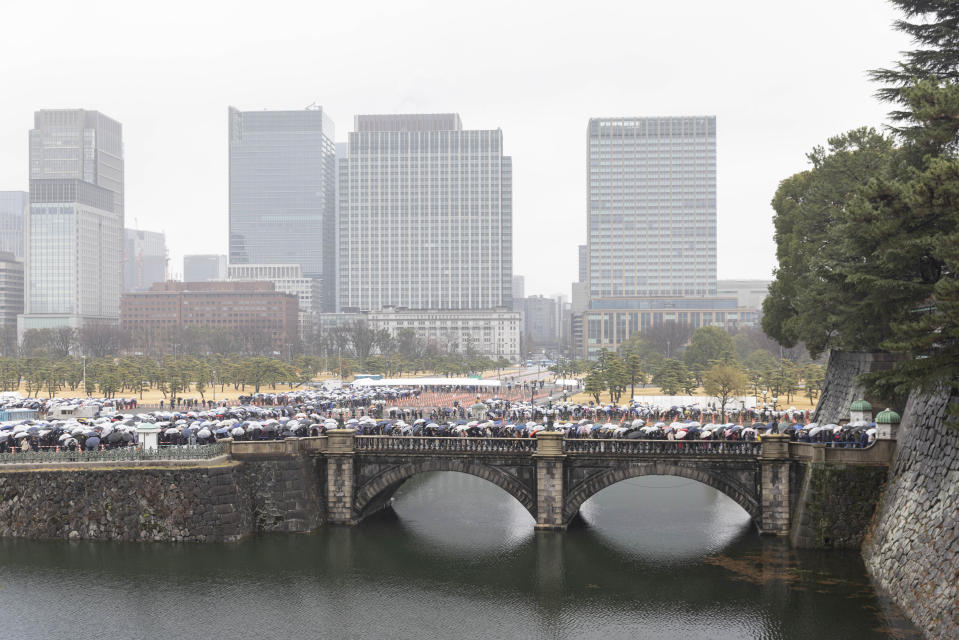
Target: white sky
{"x":781,"y":77}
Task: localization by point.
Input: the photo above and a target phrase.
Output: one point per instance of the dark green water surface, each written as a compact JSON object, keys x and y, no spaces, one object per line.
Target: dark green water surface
{"x":653,"y":557}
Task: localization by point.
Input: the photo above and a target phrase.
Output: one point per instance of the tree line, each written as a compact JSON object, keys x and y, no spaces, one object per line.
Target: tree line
{"x":96,"y":361}
{"x":354,"y":347}
{"x":724,"y":365}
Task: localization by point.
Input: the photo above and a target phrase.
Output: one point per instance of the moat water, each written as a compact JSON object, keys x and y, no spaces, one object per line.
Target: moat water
{"x":456,"y":557}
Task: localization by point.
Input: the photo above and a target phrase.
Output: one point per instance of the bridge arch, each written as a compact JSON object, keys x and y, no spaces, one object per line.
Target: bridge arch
{"x":372,"y":494}
{"x":740,"y":486}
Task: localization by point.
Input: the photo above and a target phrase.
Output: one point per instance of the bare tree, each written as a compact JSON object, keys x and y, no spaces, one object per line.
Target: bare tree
{"x":365,"y":340}
{"x":98,"y":340}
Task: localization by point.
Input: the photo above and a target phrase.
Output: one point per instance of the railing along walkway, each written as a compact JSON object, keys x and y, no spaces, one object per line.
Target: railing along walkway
{"x":419,"y":444}
{"x":120,"y":454}
{"x":718,"y":448}
{"x":452,"y":444}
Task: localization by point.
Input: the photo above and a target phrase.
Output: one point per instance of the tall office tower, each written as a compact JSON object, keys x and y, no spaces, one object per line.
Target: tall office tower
{"x":425,"y":215}
{"x":652,"y":207}
{"x":651,"y":214}
{"x":583,"y":262}
{"x":283,"y":193}
{"x":519,"y":287}
{"x":144,"y":259}
{"x":204,"y":268}
{"x":11,"y":296}
{"x":74,"y":227}
{"x":13,"y":212}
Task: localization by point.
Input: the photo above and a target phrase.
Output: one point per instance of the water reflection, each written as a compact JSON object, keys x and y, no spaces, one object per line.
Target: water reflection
{"x":445,"y":510}
{"x":665,"y":520}
{"x":457,"y":558}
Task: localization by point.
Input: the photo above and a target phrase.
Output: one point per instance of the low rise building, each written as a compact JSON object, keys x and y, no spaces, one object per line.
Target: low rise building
{"x":236,"y":306}
{"x":204,"y":267}
{"x":748,"y":293}
{"x":610,"y":322}
{"x":287,"y":278}
{"x":489,"y":332}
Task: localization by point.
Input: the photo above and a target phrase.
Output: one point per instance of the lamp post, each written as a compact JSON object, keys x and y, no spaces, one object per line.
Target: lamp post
{"x":213,"y":384}
{"x":84,"y":359}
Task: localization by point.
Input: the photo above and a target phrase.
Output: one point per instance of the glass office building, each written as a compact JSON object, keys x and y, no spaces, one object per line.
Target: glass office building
{"x":74,"y":227}
{"x":13,"y":213}
{"x":283,"y":193}
{"x":425,"y":215}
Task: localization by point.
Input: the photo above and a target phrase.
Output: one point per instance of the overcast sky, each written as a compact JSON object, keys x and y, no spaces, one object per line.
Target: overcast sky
{"x":781,"y":77}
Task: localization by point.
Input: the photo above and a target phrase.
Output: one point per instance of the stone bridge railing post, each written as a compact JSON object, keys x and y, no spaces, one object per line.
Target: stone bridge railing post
{"x":774,"y":468}
{"x":339,"y":476}
{"x":550,"y":492}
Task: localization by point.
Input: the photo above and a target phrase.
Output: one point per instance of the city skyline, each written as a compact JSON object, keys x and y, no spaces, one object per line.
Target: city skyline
{"x":541,"y":87}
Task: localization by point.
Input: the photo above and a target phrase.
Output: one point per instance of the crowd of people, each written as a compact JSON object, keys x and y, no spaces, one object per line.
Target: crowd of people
{"x":312,"y":412}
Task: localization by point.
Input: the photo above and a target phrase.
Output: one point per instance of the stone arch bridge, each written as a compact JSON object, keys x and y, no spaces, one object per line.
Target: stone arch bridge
{"x":552,"y":476}
{"x":818,"y":495}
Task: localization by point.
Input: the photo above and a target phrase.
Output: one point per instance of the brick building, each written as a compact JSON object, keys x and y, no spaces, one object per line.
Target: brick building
{"x":232,"y":305}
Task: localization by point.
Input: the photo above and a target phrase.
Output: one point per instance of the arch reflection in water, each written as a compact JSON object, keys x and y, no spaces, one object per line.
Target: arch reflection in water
{"x":665,"y":519}
{"x":459,"y":512}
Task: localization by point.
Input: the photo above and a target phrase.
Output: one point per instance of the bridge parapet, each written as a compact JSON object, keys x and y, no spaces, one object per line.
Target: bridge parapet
{"x":881,"y":452}
{"x":725,"y":448}
{"x":426,"y":445}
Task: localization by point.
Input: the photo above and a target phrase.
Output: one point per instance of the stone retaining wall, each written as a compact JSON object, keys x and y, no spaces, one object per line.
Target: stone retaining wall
{"x":912,"y":552}
{"x":841,"y":387}
{"x":217,"y":502}
{"x":195,"y":504}
{"x":836,"y":504}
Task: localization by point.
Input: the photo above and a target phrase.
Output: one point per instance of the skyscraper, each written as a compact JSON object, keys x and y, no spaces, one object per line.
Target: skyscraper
{"x":425,"y":215}
{"x":283,"y":192}
{"x":651,"y":225}
{"x":144,"y":259}
{"x":652,"y":207}
{"x":583,"y":262}
{"x":13,"y":212}
{"x":11,"y":298}
{"x":74,"y":226}
{"x":519,"y":287}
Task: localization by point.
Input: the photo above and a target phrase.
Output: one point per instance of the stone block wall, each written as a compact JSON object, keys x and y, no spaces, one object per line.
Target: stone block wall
{"x":550,"y":497}
{"x":775,"y":497}
{"x":912,"y":551}
{"x":285,"y":494}
{"x":164,"y":504}
{"x":836,"y":504}
{"x":339,"y":488}
{"x":220,"y":502}
{"x":841,"y":387}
